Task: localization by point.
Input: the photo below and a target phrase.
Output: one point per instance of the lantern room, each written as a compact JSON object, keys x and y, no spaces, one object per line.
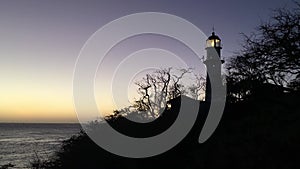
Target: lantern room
{"x":213,"y":41}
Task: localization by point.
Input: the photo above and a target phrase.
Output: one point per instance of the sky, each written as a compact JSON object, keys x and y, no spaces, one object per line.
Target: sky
{"x":41,"y":40}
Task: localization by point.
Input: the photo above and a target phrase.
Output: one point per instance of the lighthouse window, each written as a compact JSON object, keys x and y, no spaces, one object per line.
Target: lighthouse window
{"x":212,"y":43}
{"x":218,"y":42}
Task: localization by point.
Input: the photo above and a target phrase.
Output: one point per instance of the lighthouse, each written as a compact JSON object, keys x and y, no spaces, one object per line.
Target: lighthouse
{"x":213,"y":63}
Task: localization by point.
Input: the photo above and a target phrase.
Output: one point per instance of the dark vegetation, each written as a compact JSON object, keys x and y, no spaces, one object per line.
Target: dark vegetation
{"x":7,"y":166}
{"x":262,"y":133}
{"x":260,"y":127}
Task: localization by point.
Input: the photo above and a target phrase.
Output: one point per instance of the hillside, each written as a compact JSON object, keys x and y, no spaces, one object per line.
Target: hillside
{"x":263,"y":132}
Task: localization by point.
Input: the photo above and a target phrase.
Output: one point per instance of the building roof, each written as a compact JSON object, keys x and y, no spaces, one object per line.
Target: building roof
{"x":213,"y":36}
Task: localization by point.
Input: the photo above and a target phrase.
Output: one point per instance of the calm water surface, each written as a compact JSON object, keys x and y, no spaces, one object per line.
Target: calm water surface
{"x":20,"y":142}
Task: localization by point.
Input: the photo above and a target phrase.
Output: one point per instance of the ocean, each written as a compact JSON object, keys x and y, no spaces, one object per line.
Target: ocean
{"x":20,"y":143}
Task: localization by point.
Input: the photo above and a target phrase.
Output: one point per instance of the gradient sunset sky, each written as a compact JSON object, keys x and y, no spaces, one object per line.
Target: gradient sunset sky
{"x":41,"y":40}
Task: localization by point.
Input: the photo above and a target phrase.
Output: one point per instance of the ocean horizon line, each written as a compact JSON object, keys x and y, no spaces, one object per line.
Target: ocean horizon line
{"x":39,"y":123}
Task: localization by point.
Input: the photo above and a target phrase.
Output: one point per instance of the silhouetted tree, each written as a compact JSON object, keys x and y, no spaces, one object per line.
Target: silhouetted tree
{"x":161,"y":86}
{"x":157,"y":88}
{"x":295,"y":83}
{"x":197,"y":89}
{"x":271,"y":55}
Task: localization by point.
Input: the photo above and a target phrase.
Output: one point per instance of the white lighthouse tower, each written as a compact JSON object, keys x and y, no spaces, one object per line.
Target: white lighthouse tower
{"x":213,"y":63}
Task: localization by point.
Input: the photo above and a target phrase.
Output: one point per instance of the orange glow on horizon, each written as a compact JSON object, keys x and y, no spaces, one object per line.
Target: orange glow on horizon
{"x":35,"y":103}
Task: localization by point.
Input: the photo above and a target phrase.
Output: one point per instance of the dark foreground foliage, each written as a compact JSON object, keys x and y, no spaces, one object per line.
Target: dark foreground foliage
{"x":262,"y":132}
